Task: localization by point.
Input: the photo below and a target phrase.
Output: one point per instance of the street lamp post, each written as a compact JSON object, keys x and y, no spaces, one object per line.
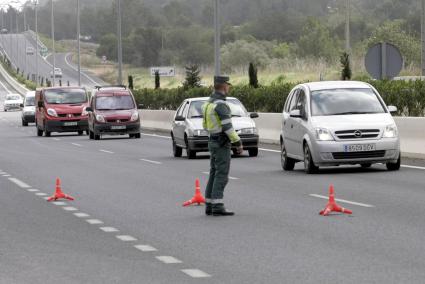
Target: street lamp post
{"x":347,"y":27}
{"x":217,"y":37}
{"x":53,"y":45}
{"x":36,"y":43}
{"x":119,"y":42}
{"x":423,"y":37}
{"x":79,"y":44}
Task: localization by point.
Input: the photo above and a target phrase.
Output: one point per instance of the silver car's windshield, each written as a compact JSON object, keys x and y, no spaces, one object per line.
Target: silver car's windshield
{"x":13,"y":98}
{"x":237,"y":109}
{"x":30,"y":101}
{"x":345,"y":102}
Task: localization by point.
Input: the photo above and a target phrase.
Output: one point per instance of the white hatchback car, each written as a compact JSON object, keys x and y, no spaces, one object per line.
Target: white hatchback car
{"x":335,"y":123}
{"x":13,"y":101}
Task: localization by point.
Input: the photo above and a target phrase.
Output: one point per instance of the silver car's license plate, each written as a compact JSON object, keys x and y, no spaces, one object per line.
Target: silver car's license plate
{"x":118,"y":127}
{"x":359,"y":148}
{"x":72,"y":123}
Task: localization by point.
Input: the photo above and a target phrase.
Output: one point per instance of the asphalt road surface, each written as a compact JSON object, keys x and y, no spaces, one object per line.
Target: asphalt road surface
{"x":127,"y":224}
{"x":15,"y":47}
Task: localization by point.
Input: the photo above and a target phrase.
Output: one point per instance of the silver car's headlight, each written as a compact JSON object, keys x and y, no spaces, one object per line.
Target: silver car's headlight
{"x":390,"y":131}
{"x":323,"y":134}
{"x":200,"y":132}
{"x":245,"y":131}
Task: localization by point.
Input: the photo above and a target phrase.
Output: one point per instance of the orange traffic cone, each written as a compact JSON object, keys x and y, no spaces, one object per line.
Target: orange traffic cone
{"x":198,"y":198}
{"x":332,"y":206}
{"x":58,"y":193}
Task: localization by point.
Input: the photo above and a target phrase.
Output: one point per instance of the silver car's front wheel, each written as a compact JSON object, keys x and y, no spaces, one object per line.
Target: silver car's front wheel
{"x":288,"y":164}
{"x":309,"y":166}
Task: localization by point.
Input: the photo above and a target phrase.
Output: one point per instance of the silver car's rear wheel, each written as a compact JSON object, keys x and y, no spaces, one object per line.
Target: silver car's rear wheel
{"x":288,"y":164}
{"x":309,"y":166}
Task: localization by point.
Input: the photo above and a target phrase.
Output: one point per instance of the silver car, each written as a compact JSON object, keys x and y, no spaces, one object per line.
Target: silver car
{"x":28,"y":112}
{"x":335,"y":123}
{"x":188,"y":133}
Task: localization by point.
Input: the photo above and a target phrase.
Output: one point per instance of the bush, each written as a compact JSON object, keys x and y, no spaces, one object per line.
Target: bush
{"x":407,"y":96}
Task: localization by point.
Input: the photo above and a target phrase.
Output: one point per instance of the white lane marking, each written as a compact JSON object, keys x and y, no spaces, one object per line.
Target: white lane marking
{"x":232,"y":178}
{"x":6,"y":175}
{"x":32,"y":190}
{"x":82,"y":73}
{"x":145,"y":248}
{"x":152,"y":162}
{"x":41,"y":194}
{"x":94,"y":221}
{"x":46,"y":198}
{"x":109,"y":229}
{"x":81,"y":215}
{"x":126,"y":238}
{"x":168,"y":259}
{"x":343,"y":201}
{"x":76,"y":144}
{"x":106,"y":151}
{"x":413,"y":167}
{"x":269,"y":150}
{"x":4,"y":86}
{"x":59,"y":203}
{"x":154,"y":135}
{"x":56,"y":139}
{"x":195,"y":273}
{"x":19,"y":183}
{"x":69,"y":208}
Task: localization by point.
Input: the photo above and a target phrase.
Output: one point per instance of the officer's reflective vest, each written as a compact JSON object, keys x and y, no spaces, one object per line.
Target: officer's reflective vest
{"x":212,"y":122}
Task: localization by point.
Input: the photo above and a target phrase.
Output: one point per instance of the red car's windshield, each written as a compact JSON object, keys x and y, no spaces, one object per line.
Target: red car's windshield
{"x":114,"y":103}
{"x":65,"y":96}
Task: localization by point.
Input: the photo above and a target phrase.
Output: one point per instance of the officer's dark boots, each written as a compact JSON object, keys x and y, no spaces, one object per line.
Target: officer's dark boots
{"x":220,"y":210}
{"x":208,"y":209}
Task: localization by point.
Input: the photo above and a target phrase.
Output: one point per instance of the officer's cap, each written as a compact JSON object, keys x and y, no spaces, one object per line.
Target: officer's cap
{"x":222,"y":80}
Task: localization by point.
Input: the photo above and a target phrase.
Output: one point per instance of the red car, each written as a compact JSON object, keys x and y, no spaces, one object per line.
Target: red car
{"x":113,"y":111}
{"x":61,"y":109}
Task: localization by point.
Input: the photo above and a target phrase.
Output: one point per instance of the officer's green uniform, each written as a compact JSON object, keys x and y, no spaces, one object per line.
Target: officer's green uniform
{"x":218,"y":122}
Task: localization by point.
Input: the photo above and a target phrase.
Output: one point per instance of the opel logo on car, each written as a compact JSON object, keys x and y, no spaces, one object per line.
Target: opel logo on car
{"x":357,"y":133}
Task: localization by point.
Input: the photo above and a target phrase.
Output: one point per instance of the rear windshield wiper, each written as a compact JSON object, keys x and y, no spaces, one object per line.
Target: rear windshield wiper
{"x":352,"y":112}
{"x":197,"y":116}
{"x":236,"y":115}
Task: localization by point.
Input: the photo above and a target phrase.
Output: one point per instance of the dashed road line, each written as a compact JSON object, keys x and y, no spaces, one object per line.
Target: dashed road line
{"x":106,"y":151}
{"x":195,"y":273}
{"x":6,"y":175}
{"x":69,"y":208}
{"x":232,"y":178}
{"x":168,"y":259}
{"x":150,"y":161}
{"x":145,"y":248}
{"x":269,"y":150}
{"x":41,"y":194}
{"x":343,"y":201}
{"x":56,"y":139}
{"x":158,"y":136}
{"x":94,"y":221}
{"x":59,"y":203}
{"x":413,"y":167}
{"x":76,"y":144}
{"x":81,"y":215}
{"x":109,"y":229}
{"x":126,"y":238}
{"x":19,"y":183}
{"x":32,"y":190}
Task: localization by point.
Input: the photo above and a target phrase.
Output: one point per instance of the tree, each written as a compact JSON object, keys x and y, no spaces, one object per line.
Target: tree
{"x":253,"y":80}
{"x":157,"y":80}
{"x":193,"y":80}
{"x":130,"y":82}
{"x":346,"y":68}
{"x":316,"y":41}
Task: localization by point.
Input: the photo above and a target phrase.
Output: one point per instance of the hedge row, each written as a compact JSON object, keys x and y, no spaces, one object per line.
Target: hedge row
{"x":407,"y":96}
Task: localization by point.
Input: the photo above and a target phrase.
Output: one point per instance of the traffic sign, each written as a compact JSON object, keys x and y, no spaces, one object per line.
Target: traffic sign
{"x":163,"y":71}
{"x":383,"y":61}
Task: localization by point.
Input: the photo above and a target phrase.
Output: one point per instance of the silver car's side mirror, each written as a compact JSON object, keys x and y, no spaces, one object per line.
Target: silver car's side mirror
{"x":392,"y":109}
{"x":295,"y":113}
{"x":179,"y":118}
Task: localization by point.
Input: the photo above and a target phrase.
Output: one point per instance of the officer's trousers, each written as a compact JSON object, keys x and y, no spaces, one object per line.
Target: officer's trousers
{"x":220,"y":156}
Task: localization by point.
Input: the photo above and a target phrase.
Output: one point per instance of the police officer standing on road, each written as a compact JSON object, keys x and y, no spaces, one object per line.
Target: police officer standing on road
{"x":218,"y":122}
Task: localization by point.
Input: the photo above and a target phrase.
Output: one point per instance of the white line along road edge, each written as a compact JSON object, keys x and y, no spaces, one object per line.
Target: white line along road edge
{"x":343,"y":201}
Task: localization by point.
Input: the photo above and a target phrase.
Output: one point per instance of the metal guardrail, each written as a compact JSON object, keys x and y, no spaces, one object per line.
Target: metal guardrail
{"x":12,"y":82}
